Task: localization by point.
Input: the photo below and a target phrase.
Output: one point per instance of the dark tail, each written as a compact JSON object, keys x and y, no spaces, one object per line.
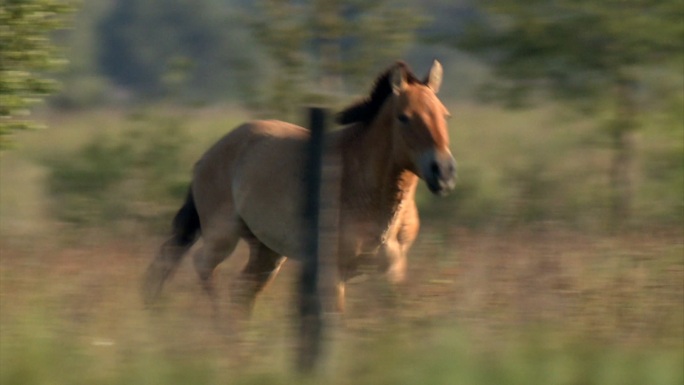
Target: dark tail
{"x":186,"y":223}
{"x":186,"y":229}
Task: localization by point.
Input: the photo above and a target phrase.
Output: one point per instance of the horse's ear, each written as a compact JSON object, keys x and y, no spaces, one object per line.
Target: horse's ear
{"x":434,"y":77}
{"x":398,"y":79}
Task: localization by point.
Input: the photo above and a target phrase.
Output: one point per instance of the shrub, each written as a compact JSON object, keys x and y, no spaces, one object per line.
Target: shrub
{"x":138,"y":175}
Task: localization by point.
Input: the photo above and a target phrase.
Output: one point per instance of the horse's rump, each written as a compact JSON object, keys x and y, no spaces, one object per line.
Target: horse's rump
{"x":254,"y":175}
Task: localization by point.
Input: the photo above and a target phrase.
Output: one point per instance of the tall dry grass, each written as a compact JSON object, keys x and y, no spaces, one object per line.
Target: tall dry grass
{"x":560,"y":307}
{"x":492,"y":297}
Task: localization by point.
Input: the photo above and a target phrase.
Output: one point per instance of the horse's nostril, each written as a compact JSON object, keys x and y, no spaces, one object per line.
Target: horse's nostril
{"x":434,"y":168}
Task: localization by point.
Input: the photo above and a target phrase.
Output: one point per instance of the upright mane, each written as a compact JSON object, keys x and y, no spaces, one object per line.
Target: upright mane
{"x":365,"y":110}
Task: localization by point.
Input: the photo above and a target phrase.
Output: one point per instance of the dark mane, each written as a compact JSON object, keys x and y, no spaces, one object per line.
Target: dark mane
{"x":366,"y":109}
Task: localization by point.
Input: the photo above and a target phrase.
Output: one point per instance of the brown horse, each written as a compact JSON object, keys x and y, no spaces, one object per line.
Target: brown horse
{"x":249,"y":186}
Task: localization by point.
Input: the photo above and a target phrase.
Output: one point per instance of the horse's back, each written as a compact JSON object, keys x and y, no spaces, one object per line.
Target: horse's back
{"x":253,"y":176}
{"x":250,"y":134}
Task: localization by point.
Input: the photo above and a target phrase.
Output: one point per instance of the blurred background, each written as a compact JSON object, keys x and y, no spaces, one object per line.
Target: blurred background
{"x":559,"y":258}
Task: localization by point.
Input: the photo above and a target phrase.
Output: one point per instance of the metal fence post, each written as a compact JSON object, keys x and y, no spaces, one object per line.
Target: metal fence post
{"x":310,"y":312}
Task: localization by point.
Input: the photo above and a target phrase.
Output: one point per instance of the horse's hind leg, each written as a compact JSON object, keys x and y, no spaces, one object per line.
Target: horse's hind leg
{"x":262,"y":267}
{"x":214,"y":251}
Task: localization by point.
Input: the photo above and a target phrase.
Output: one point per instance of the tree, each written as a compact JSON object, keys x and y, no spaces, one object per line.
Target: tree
{"x":593,"y":54}
{"x":27,"y":55}
{"x":324,"y":48}
{"x":147,"y":47}
{"x":280,"y":28}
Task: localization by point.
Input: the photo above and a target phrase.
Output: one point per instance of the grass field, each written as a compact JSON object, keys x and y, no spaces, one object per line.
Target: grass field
{"x":482,"y":309}
{"x":526,"y":304}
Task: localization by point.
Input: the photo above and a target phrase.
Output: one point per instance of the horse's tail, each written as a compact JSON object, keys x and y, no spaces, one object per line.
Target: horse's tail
{"x":186,"y":223}
{"x":186,"y":229}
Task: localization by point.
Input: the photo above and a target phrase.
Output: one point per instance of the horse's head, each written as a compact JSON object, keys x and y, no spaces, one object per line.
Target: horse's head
{"x":420,"y":128}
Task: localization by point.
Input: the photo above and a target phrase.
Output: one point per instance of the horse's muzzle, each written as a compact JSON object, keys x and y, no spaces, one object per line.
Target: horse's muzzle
{"x":440,"y":174}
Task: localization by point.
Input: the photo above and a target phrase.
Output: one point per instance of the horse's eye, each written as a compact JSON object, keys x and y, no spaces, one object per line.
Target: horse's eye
{"x":403,"y":118}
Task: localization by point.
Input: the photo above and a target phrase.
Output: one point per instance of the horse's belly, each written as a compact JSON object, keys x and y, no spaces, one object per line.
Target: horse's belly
{"x":267,"y":189}
{"x":279,"y":229}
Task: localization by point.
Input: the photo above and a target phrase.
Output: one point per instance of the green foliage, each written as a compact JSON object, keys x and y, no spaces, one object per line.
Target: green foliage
{"x":380,"y":32}
{"x":516,"y":169}
{"x":280,"y":28}
{"x":36,"y":354}
{"x":521,"y":194}
{"x":273,"y":55}
{"x":448,"y":357}
{"x":142,"y":42}
{"x":138,"y":176}
{"x":661,"y":167}
{"x":574,"y":50}
{"x":478,"y":201}
{"x":321,"y":47}
{"x":27,"y":54}
{"x":83,"y":85}
{"x":85,"y":186}
{"x":593,"y":55}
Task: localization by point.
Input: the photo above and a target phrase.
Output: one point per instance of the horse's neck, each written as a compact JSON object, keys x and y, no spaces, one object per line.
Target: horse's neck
{"x":373,"y":178}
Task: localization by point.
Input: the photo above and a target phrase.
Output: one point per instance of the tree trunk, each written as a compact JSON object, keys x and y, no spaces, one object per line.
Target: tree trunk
{"x":623,"y":147}
{"x":621,"y":177}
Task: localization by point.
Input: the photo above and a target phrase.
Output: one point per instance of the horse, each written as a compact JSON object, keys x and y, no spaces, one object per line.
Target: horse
{"x":248,"y":186}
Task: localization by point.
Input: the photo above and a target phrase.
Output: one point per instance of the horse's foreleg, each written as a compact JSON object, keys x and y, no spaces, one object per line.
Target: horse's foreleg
{"x":340,"y":299}
{"x":344,"y":273}
{"x":331,"y":289}
{"x":397,"y":246}
{"x":395,"y":260}
{"x":262,"y":267}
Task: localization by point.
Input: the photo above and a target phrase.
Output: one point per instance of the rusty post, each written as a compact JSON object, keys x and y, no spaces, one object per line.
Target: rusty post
{"x":310,"y":312}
